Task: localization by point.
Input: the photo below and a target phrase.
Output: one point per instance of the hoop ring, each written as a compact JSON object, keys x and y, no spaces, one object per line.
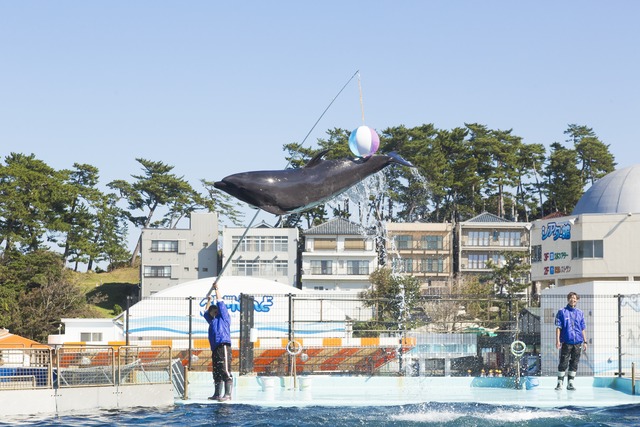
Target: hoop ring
{"x":518,"y":348}
{"x":294,"y":348}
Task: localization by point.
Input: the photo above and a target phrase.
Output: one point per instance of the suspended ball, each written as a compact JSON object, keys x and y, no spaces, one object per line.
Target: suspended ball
{"x":364,"y":141}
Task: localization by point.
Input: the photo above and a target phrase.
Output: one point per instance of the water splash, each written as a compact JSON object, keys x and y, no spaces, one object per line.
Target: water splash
{"x":369,"y":198}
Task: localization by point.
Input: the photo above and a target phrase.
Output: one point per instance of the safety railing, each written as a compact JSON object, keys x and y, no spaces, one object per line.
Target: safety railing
{"x":84,"y":366}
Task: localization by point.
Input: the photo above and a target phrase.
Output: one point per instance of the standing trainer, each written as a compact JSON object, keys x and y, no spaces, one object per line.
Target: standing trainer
{"x":219,"y":321}
{"x":570,"y":339}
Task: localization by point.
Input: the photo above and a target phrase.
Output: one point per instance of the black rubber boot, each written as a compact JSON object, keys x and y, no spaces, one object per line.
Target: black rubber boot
{"x":228,"y":388}
{"x":560,"y":381}
{"x":570,"y":386}
{"x":218,"y":391}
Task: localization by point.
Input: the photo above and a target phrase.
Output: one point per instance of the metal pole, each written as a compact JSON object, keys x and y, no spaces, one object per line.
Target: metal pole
{"x":224,"y":267}
{"x":127,"y":320}
{"x":620,"y":373}
{"x":290,"y":334}
{"x":190,"y":299}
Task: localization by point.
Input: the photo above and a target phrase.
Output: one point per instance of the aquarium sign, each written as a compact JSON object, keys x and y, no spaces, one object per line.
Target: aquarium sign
{"x":557,"y":231}
{"x":233,"y":303}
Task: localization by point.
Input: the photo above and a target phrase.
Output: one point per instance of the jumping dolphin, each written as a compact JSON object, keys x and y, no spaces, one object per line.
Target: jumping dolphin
{"x":283,"y":192}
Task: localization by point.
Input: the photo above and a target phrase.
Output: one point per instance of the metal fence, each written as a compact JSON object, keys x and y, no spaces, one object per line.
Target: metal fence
{"x":441,"y":335}
{"x":83,"y":366}
{"x":612,"y":329}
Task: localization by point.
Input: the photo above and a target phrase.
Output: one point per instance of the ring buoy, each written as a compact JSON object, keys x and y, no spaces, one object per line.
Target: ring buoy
{"x":518,"y":348}
{"x":294,"y":348}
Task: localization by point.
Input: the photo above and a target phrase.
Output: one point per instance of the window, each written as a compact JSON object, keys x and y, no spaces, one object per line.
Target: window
{"x":164,"y":246}
{"x":321,"y":267}
{"x":324,"y":244}
{"x":357,"y":267}
{"x":90,"y":336}
{"x":157,"y":271}
{"x":497,"y":260}
{"x":260,"y":267}
{"x":432,"y":265}
{"x":587,"y":249}
{"x":404,"y":241}
{"x":402,"y":265}
{"x":354,"y":244}
{"x":245,"y":267}
{"x":510,"y":238}
{"x":431,"y":242}
{"x":477,"y":261}
{"x":536,"y":253}
{"x":478,"y":238}
{"x":280,"y":244}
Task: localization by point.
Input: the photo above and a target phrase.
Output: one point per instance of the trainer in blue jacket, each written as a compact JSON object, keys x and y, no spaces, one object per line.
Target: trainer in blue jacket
{"x":570,"y":339}
{"x":219,"y":321}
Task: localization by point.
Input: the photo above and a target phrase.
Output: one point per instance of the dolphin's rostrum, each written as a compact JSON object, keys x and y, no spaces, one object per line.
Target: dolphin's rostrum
{"x":287,"y":191}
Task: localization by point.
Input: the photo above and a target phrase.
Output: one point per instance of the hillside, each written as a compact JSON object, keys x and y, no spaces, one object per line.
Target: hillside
{"x":108,"y":291}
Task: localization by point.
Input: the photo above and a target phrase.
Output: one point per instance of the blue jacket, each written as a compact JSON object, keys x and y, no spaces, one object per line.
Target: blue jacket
{"x":219,"y":326}
{"x":570,"y":320}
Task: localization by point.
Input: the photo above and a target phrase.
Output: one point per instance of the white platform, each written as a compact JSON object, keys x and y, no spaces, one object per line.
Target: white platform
{"x":381,"y":391}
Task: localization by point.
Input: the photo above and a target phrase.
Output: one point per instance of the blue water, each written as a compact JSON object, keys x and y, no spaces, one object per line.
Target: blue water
{"x":427,"y":414}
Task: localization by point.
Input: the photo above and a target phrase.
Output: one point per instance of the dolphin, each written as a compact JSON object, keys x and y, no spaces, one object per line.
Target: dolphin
{"x":283,"y":192}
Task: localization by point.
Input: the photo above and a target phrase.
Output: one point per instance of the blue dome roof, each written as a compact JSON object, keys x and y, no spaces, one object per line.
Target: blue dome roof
{"x":617,"y":192}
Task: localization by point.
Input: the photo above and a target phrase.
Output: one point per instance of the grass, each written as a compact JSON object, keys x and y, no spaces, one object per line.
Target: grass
{"x":108,"y":291}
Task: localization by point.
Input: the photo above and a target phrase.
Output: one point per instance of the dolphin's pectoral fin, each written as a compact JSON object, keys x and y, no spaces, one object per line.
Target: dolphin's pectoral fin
{"x":276,"y":210}
{"x":316,"y":159}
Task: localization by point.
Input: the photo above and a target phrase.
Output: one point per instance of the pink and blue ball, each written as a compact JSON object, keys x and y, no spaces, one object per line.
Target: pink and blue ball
{"x":364,"y":141}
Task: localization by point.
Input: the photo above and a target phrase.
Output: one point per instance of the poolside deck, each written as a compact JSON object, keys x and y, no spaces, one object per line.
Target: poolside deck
{"x":386,"y":391}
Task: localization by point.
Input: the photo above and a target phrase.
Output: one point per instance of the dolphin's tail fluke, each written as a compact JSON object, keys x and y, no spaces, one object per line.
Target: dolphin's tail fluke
{"x":396,"y":158}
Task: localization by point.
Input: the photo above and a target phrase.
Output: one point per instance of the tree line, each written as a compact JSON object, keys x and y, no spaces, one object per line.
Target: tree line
{"x":469,"y":170}
{"x":51,"y":219}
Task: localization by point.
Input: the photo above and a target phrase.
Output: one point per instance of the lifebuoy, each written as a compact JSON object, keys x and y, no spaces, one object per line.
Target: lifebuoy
{"x":294,"y":348}
{"x":518,"y":348}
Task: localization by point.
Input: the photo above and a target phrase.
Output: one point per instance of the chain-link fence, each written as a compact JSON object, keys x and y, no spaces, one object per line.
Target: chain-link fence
{"x":344,"y":333}
{"x":435,"y":335}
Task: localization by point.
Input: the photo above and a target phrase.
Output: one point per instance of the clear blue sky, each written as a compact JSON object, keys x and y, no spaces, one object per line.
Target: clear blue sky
{"x":215,"y":88}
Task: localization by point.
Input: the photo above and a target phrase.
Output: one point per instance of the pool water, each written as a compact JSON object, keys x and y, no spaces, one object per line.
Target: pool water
{"x":424,"y":414}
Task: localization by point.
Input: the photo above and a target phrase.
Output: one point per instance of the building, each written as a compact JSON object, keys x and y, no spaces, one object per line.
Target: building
{"x":266,"y":252}
{"x":339,"y":255}
{"x":424,"y":251}
{"x":486,"y":237}
{"x":170,"y":256}
{"x":594,"y":252}
{"x":598,"y":241}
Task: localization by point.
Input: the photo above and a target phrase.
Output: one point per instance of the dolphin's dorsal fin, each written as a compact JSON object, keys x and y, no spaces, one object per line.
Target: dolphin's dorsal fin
{"x":316,"y":159}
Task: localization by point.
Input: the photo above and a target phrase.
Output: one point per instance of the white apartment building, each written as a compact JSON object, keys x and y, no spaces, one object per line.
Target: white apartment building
{"x":339,"y":255}
{"x":173,"y":256}
{"x":265,"y":251}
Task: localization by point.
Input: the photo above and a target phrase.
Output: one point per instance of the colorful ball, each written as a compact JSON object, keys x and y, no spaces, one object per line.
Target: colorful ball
{"x":364,"y":141}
